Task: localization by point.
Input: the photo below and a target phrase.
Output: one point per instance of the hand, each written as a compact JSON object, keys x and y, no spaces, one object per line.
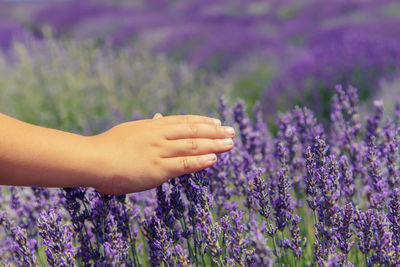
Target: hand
{"x":143,"y":154}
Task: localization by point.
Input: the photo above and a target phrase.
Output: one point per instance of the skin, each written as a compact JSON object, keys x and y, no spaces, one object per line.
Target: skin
{"x":130,"y":157}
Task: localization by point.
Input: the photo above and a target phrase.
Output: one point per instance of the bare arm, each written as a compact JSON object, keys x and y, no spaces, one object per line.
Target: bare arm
{"x":31,"y":155}
{"x":130,"y":157}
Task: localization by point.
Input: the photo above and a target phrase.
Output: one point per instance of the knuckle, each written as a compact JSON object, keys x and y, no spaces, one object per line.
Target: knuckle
{"x":155,"y":162}
{"x":184,"y":119}
{"x":217,"y":130}
{"x":194,"y":129}
{"x":192,"y":144}
{"x":217,"y":143}
{"x":185,"y":164}
{"x":155,"y":144}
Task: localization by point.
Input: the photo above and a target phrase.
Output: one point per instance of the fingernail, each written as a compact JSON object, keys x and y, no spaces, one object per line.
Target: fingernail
{"x":230,"y":131}
{"x":228,"y":141}
{"x":217,"y":121}
{"x":211,"y":157}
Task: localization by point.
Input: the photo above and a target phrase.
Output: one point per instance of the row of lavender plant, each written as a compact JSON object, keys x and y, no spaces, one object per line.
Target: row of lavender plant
{"x":307,"y":196}
{"x":313,"y":44}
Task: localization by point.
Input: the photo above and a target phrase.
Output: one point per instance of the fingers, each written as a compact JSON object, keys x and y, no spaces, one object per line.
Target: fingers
{"x":193,"y":147}
{"x":184,"y":165}
{"x":187,"y":119}
{"x":181,"y":131}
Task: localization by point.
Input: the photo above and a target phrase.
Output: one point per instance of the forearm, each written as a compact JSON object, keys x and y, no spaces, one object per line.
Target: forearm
{"x":31,"y":155}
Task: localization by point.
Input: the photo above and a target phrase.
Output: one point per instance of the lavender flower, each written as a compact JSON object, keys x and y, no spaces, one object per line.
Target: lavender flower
{"x":364,"y":223}
{"x":237,"y":243}
{"x":346,"y":179}
{"x":259,"y":194}
{"x":344,"y":232}
{"x":377,"y":193}
{"x":296,"y":241}
{"x":181,"y":257}
{"x":282,"y":205}
{"x":158,"y":241}
{"x":373,"y":123}
{"x":210,"y":233}
{"x":310,"y":180}
{"x":115,"y":245}
{"x":394,"y":218}
{"x":382,"y":243}
{"x":22,"y":248}
{"x":57,"y":237}
{"x":262,"y":254}
{"x":73,"y":199}
{"x":392,"y":160}
{"x":239,"y":114}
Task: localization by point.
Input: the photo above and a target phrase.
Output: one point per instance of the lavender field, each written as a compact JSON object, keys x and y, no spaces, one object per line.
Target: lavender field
{"x":312,"y":89}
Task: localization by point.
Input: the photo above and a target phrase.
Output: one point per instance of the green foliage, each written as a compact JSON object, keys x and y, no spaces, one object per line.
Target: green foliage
{"x":69,"y":85}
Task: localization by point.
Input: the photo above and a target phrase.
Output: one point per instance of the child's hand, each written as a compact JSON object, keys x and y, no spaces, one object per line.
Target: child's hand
{"x":143,"y":154}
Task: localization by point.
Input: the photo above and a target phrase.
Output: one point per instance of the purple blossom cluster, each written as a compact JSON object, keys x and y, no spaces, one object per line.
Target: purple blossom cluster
{"x":307,"y":195}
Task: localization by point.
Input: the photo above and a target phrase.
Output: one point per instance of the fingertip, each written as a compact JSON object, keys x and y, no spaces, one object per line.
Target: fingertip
{"x":210,"y":158}
{"x":157,"y":116}
{"x":217,"y":122}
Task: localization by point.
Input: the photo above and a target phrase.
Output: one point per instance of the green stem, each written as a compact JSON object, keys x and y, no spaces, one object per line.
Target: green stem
{"x":84,"y":226}
{"x":183,"y":223}
{"x":202,"y":260}
{"x":133,"y":246}
{"x":284,"y":250}
{"x":212,"y":221}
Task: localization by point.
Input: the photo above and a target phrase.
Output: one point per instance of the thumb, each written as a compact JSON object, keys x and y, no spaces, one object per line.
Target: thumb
{"x":157,"y":116}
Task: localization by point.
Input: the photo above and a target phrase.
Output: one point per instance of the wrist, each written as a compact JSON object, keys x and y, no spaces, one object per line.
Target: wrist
{"x":98,"y":164}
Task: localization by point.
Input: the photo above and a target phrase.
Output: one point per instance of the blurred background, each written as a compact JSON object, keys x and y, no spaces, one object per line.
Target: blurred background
{"x":84,"y":66}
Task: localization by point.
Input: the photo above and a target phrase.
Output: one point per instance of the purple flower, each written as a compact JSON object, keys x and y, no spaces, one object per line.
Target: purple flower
{"x":392,"y":161}
{"x":210,"y":233}
{"x":57,"y":237}
{"x":346,"y":179}
{"x":394,"y":218}
{"x":181,"y":257}
{"x":346,"y":127}
{"x":22,"y":248}
{"x":307,"y":127}
{"x":373,"y":123}
{"x":115,"y":245}
{"x":176,"y":202}
{"x":377,"y":192}
{"x":262,"y":255}
{"x":382,"y":243}
{"x":237,"y":243}
{"x":310,"y":180}
{"x":344,"y":232}
{"x":164,"y":210}
{"x":296,"y":240}
{"x":72,"y":203}
{"x":364,"y":223}
{"x":240,"y":117}
{"x":158,"y":241}
{"x":282,"y":205}
{"x":259,"y":194}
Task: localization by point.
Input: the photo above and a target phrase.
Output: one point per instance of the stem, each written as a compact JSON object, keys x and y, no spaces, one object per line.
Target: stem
{"x":284,"y":250}
{"x":194,"y":241}
{"x":212,"y":220}
{"x":40,"y":259}
{"x":133,"y":246}
{"x":202,"y":260}
{"x":276,"y":251}
{"x":183,"y":223}
{"x":273,"y":239}
{"x":84,"y":226}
